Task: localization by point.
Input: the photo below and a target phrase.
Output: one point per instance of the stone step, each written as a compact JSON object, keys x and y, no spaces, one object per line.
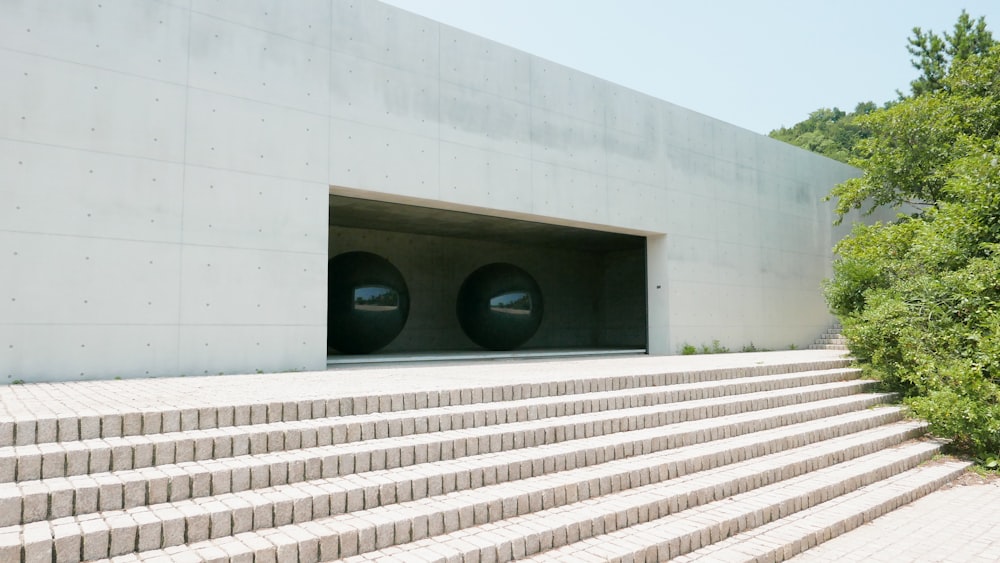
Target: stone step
{"x":831,"y":339}
{"x":668,"y":533}
{"x":684,"y":512}
{"x":214,"y":476}
{"x":165,"y":525}
{"x":63,"y":459}
{"x":191,"y":411}
{"x":63,"y":497}
{"x":593,"y":465}
{"x":785,"y":538}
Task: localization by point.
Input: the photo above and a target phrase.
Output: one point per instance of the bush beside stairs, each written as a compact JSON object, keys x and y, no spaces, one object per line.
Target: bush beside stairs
{"x":748,"y":463}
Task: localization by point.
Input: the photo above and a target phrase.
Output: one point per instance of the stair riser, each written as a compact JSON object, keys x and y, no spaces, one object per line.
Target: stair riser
{"x":703,"y":525}
{"x":218,"y":519}
{"x":67,"y":429}
{"x":27,"y":463}
{"x":352,"y":457}
{"x":85,"y":494}
{"x":792,"y":548}
{"x":684,"y":543}
{"x":628,"y":471}
{"x":530,"y":537}
{"x":414,"y":527}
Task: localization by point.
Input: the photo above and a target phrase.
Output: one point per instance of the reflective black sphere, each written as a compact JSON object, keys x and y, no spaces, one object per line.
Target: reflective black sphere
{"x":368,"y":302}
{"x":499,"y":306}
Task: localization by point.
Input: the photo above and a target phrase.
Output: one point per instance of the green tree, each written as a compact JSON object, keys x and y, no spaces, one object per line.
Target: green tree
{"x":934,"y":54}
{"x":907,"y":157}
{"x":836,"y":134}
{"x":830,"y":132}
{"x":919,"y":297}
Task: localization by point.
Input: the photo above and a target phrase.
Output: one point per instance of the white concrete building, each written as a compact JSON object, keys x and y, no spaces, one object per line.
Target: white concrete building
{"x":175,"y":175}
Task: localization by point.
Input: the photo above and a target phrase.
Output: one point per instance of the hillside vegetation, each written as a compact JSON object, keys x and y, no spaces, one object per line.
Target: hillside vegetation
{"x":919,"y":297}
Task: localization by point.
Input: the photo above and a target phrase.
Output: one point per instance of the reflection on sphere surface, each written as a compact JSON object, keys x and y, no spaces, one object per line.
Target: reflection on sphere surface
{"x":368,"y":302}
{"x":499,"y":306}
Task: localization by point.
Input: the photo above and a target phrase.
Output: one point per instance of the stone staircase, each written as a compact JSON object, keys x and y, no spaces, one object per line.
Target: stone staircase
{"x":832,"y":339}
{"x":755,"y":462}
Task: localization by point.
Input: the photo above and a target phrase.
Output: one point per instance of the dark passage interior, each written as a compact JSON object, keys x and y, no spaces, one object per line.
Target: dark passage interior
{"x":592,"y":283}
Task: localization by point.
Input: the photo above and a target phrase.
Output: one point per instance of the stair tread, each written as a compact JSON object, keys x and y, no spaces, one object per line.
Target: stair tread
{"x":798,"y":532}
{"x":231,"y":477}
{"x":276,"y":436}
{"x":72,"y":410}
{"x":626,"y":508}
{"x":683,"y":532}
{"x":599,"y":422}
{"x":663,"y":464}
{"x":633,"y":460}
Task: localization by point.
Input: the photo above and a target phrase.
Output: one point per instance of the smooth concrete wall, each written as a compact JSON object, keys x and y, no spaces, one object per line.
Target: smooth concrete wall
{"x":583,"y":302}
{"x":739,"y":235}
{"x":748,"y":247}
{"x":165,"y":165}
{"x":163,"y":210}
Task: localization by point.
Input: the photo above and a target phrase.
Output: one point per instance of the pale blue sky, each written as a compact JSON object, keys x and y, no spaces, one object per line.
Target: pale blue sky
{"x":759,"y":64}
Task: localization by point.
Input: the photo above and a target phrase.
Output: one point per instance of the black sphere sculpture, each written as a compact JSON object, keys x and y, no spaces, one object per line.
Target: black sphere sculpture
{"x":499,"y":306}
{"x":368,"y":302}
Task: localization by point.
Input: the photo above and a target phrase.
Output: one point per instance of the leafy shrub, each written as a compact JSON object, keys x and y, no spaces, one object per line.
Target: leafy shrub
{"x":919,"y":297}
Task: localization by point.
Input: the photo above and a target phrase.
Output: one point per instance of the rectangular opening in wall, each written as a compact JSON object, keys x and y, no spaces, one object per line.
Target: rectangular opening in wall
{"x":475,"y":283}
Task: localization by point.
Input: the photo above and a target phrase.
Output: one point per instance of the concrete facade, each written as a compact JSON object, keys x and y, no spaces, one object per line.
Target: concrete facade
{"x":166,"y":168}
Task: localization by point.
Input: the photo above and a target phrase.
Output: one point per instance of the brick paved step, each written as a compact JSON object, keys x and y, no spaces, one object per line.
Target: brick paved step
{"x":480,"y":526}
{"x":831,"y":339}
{"x":168,"y":524}
{"x":61,"y":459}
{"x":473,"y":473}
{"x":785,"y":538}
{"x":202,"y":413}
{"x":61,"y":497}
{"x":670,"y":533}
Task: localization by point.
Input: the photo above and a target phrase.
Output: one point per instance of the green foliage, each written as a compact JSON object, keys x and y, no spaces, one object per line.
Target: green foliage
{"x":934,"y":54}
{"x":914,"y":144}
{"x":919,"y":297}
{"x":830,"y":132}
{"x":990,"y":462}
{"x":715,"y":348}
{"x":841,"y":136}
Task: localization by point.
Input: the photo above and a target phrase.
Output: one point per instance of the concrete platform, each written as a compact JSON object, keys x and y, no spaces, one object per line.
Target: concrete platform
{"x":956,"y":524}
{"x":52,"y":400}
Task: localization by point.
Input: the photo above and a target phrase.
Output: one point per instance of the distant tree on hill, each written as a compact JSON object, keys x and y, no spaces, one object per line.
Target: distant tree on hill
{"x":830,"y":132}
{"x":835,"y":133}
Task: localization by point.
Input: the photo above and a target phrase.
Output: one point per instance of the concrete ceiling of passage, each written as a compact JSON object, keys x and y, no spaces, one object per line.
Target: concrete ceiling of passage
{"x":384,"y":216}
